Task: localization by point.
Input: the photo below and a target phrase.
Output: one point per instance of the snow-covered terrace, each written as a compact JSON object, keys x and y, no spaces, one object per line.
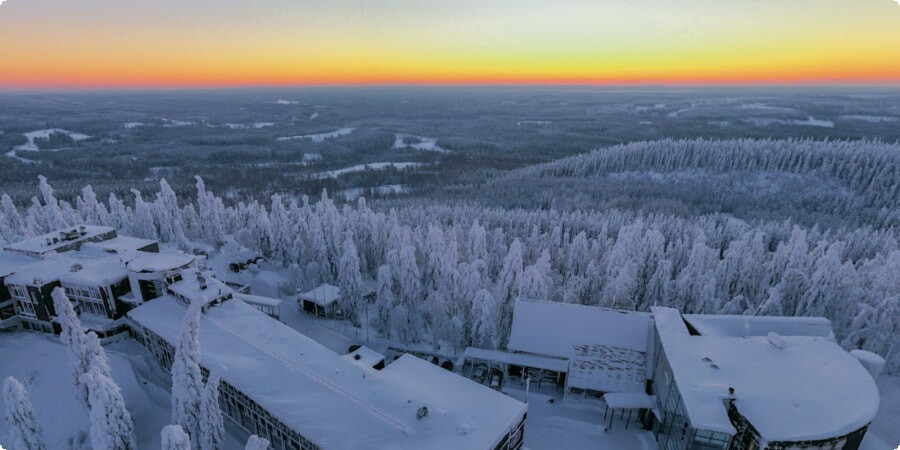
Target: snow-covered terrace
{"x":790,"y":388}
{"x":160,"y":262}
{"x":11,"y":262}
{"x":330,"y":400}
{"x":74,"y":268}
{"x":122,"y":245}
{"x":60,"y":240}
{"x":743,"y":326}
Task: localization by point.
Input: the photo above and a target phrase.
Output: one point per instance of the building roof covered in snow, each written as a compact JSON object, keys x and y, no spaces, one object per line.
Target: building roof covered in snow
{"x":790,"y":388}
{"x":257,"y":299}
{"x":743,"y":326}
{"x":61,"y":240}
{"x":74,"y":267}
{"x":365,"y":357}
{"x":160,"y":262}
{"x":123,"y":244}
{"x":11,"y":262}
{"x":195,"y":285}
{"x":556,"y":328}
{"x":330,"y":400}
{"x":323,"y":295}
{"x":517,"y":359}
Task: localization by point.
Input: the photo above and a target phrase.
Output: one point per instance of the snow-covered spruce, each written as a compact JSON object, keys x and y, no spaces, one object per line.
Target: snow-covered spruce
{"x":111,"y":424}
{"x":212,"y":428}
{"x":25,"y":432}
{"x":256,"y":443}
{"x":187,"y":380}
{"x":174,"y":438}
{"x":76,"y":342}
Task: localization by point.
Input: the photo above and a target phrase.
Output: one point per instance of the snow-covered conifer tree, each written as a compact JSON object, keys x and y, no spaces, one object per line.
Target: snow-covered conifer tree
{"x":73,"y":337}
{"x":350,"y":280}
{"x":484,"y":329}
{"x":212,"y":429}
{"x":256,"y":443}
{"x":25,"y":432}
{"x":111,"y":424}
{"x":174,"y":438}
{"x":187,"y":381}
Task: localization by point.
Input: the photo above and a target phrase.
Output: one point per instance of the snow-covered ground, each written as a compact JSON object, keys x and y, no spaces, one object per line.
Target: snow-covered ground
{"x":173,"y":123}
{"x":282,"y":101}
{"x":808,"y":122}
{"x":421,"y":143}
{"x":870,"y":119}
{"x":39,"y":361}
{"x":321,"y":137}
{"x":32,"y":146}
{"x":362,"y":167}
{"x":242,"y":126}
{"x":533,"y":122}
{"x":314,"y":115}
{"x":387,"y":189}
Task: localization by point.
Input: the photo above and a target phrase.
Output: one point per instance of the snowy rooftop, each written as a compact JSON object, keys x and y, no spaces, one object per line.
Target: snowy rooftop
{"x":555,"y":328}
{"x":323,"y":295}
{"x":38,"y":245}
{"x":160,"y":262}
{"x":364,"y":357}
{"x":74,"y":267}
{"x":743,"y":326}
{"x":191,"y":288}
{"x":330,"y":400}
{"x":791,"y":388}
{"x":258,"y":300}
{"x":121,"y":244}
{"x":12,"y":262}
{"x":518,"y":359}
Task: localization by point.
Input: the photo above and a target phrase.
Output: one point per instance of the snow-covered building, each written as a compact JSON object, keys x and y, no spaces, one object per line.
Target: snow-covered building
{"x":321,"y":301}
{"x":62,"y":240}
{"x":287,"y":388}
{"x":736,"y":382}
{"x":94,"y":282}
{"x":149,"y":274}
{"x":604,"y":350}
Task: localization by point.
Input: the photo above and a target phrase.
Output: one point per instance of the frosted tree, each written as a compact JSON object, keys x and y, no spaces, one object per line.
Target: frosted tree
{"x":171,"y":228}
{"x":256,"y":443}
{"x":210,"y":209}
{"x":73,"y":337}
{"x":92,"y":211}
{"x":484,"y":329}
{"x":533,"y":285}
{"x":384,"y":297}
{"x":577,"y":260}
{"x":174,"y":438}
{"x":53,"y":213}
{"x":508,"y":287}
{"x":410,"y":280}
{"x":187,"y":381}
{"x":97,"y":359}
{"x":143,"y":224}
{"x":111,"y":424}
{"x":350,"y":281}
{"x":25,"y":431}
{"x":212,"y":429}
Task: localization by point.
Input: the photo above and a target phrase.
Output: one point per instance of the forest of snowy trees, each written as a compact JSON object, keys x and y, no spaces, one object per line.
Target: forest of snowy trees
{"x":449,"y":275}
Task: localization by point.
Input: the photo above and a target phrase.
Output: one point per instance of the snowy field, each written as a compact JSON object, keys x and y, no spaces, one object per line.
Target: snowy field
{"x":33,"y":146}
{"x":321,"y":137}
{"x":420,"y":143}
{"x":363,"y":167}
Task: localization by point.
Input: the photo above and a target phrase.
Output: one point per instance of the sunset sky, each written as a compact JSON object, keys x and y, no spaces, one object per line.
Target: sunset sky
{"x":161,"y":43}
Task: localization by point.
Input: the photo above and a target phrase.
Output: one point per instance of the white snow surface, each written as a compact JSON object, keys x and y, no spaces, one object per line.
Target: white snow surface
{"x":363,"y":167}
{"x":317,"y":392}
{"x":160,"y":262}
{"x":71,"y":267}
{"x":321,"y":137}
{"x":421,"y":143}
{"x":870,"y":119}
{"x":563,"y":326}
{"x":810,"y":389}
{"x":743,"y":326}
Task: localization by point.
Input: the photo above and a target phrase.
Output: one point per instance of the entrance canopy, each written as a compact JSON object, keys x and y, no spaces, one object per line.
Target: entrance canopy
{"x":629,"y":400}
{"x":517,"y":359}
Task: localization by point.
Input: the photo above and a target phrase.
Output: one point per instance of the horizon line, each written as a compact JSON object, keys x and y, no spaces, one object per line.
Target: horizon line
{"x":887,"y":83}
